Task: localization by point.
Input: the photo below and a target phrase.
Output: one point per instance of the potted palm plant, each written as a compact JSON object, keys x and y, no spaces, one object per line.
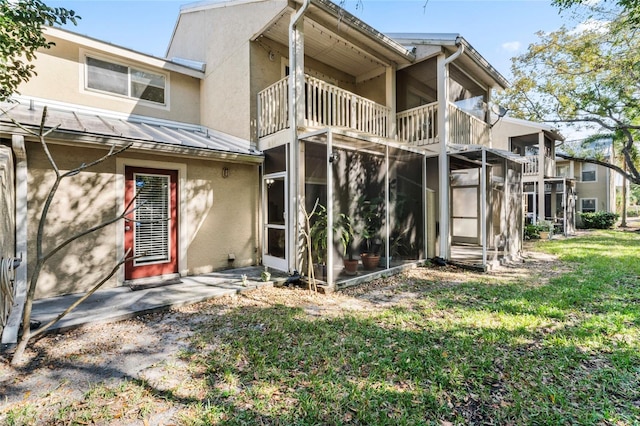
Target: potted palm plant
{"x":318,"y":235}
{"x":369,"y":211}
{"x":346,"y":236}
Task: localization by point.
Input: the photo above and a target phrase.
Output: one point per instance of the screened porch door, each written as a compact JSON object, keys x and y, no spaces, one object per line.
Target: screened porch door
{"x":152,"y":232}
{"x":274,"y":247}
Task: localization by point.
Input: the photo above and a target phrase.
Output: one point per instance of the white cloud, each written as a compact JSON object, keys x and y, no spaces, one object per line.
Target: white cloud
{"x":511,"y":46}
{"x":591,"y":25}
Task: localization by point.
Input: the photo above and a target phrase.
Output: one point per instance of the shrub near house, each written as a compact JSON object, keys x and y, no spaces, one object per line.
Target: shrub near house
{"x":598,"y":220}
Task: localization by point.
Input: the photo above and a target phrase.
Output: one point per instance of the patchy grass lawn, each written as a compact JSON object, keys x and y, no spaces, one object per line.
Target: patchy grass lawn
{"x":549,"y":343}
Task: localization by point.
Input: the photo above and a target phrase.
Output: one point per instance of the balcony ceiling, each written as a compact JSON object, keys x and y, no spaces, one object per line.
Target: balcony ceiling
{"x":337,"y":44}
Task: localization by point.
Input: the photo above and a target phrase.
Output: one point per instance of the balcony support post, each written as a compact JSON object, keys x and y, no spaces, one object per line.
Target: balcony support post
{"x":443,"y":159}
{"x":296,"y":103}
{"x":541,"y":172}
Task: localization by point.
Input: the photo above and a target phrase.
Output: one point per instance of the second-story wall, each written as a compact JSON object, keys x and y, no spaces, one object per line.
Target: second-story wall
{"x":221,"y":37}
{"x":62,"y":78}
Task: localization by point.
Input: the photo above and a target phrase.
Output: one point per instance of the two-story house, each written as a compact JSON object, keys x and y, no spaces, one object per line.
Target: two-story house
{"x":262,"y":110}
{"x":549,"y":193}
{"x":595,"y":188}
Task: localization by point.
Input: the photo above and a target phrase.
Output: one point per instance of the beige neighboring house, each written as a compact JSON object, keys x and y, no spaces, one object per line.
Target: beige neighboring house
{"x":261,"y":109}
{"x":548,"y":194}
{"x":595,"y":185}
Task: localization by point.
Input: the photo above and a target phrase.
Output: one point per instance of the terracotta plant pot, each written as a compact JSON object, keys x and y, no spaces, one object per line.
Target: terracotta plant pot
{"x":350,"y":266}
{"x":370,"y":261}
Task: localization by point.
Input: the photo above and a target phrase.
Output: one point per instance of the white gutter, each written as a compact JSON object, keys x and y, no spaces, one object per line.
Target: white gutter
{"x":294,"y":194}
{"x":443,"y":159}
{"x":457,"y":53}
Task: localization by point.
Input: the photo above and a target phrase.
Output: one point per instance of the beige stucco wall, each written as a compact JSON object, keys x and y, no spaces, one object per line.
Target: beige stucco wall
{"x":503,"y":130}
{"x":221,"y":216}
{"x":598,"y":189}
{"x":225,"y":33}
{"x":61,"y":78}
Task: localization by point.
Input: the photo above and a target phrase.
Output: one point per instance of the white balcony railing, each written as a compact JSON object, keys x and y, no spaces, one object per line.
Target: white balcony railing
{"x":418,"y":126}
{"x":273,"y":108}
{"x":328,"y":105}
{"x":466,"y":129}
{"x":324,"y":105}
{"x":531,"y":166}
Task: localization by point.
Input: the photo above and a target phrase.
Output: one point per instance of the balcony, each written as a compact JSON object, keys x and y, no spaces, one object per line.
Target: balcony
{"x":419,"y":126}
{"x":531,"y":167}
{"x":328,"y":105}
{"x":324,"y":105}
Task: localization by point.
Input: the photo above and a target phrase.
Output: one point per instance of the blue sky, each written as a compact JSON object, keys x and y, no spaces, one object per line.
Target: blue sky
{"x":498,"y":29}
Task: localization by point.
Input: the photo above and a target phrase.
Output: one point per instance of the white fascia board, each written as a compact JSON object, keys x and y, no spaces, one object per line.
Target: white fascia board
{"x":127,"y":54}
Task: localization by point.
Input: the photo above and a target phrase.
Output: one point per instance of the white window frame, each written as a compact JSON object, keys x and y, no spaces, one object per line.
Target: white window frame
{"x":84,"y":82}
{"x":595,"y":172}
{"x":595,"y":204}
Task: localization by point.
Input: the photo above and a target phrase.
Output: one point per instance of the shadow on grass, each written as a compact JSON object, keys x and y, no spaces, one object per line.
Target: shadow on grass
{"x":402,"y":368}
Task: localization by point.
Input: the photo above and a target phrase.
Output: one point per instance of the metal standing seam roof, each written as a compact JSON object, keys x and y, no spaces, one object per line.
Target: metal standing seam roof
{"x":135,"y":129}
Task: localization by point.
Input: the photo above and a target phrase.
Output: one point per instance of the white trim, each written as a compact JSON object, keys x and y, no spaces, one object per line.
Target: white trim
{"x":268,"y":260}
{"x":84,"y":80}
{"x":122,"y":52}
{"x":121,"y":163}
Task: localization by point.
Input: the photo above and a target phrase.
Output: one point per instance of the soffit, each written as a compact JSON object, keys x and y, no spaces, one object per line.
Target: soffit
{"x":337,"y":43}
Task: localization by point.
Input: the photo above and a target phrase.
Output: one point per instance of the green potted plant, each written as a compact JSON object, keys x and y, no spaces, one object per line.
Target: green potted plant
{"x":369,"y":211}
{"x":545,"y":229}
{"x":395,"y":242}
{"x":318,"y":235}
{"x":346,"y":236}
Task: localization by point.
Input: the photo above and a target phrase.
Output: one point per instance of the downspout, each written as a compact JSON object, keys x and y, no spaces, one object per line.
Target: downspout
{"x":10,"y":334}
{"x":443,"y":163}
{"x":294,"y":156}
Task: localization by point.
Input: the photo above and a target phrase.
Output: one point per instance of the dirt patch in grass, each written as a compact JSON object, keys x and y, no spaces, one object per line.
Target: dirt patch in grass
{"x":139,"y":371}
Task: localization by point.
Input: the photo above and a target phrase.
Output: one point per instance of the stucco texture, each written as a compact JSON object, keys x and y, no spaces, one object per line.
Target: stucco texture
{"x":219,"y":216}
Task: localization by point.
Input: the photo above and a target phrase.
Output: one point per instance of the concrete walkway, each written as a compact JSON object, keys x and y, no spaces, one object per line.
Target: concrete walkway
{"x":118,"y":303}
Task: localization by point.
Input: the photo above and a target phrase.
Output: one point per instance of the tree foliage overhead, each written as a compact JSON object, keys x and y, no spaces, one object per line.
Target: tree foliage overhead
{"x":21,"y":23}
{"x":588,"y":75}
{"x":631,"y":7}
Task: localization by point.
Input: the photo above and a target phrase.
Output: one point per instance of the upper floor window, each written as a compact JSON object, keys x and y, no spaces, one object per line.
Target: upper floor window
{"x":125,"y":81}
{"x":562,"y":170}
{"x":588,"y":172}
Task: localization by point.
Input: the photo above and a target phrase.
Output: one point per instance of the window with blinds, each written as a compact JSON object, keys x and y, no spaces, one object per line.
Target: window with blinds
{"x":152,"y":224}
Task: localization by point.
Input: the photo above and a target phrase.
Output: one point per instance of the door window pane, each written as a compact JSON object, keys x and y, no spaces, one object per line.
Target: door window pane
{"x":151,"y":238}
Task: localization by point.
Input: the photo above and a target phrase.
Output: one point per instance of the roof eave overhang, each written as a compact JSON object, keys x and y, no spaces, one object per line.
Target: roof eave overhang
{"x":452,"y":42}
{"x":129,"y":54}
{"x":395,"y":51}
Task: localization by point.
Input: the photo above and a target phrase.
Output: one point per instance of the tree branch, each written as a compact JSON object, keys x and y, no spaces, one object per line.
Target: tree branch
{"x":75,"y":304}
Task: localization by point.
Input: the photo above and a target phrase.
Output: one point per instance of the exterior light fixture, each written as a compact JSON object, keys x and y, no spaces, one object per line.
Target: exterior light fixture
{"x":225,"y":172}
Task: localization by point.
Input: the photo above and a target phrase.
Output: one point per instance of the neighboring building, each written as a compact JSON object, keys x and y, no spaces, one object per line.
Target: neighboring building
{"x":263,"y":108}
{"x":536,"y":143}
{"x":595,"y":190}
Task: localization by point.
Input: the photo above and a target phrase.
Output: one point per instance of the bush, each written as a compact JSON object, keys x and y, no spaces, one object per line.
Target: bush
{"x":531,"y":232}
{"x":598,"y":220}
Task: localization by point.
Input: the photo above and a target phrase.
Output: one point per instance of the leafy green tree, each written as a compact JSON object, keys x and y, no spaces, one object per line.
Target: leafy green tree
{"x":21,"y":23}
{"x":631,"y":7}
{"x":584,"y":76}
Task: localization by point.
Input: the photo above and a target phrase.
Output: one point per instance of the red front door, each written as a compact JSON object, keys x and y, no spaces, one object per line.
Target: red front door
{"x":151,"y":233}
